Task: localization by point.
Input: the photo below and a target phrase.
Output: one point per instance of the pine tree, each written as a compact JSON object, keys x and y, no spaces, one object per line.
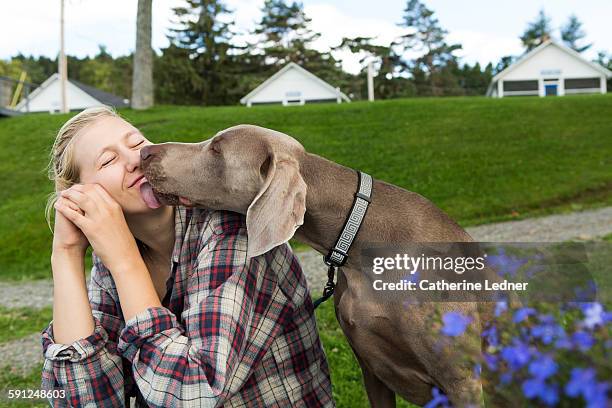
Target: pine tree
{"x":207,"y":37}
{"x":285,"y":33}
{"x":572,"y":33}
{"x":536,"y":32}
{"x":427,"y":36}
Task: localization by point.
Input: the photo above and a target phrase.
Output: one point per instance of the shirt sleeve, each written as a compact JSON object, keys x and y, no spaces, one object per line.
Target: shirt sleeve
{"x":234,"y":310}
{"x":90,"y":371}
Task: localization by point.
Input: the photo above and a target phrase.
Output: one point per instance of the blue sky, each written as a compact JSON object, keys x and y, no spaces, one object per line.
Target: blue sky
{"x":487,"y":29}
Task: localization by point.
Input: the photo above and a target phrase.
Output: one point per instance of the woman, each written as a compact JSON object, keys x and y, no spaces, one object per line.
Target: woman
{"x":173,"y":314}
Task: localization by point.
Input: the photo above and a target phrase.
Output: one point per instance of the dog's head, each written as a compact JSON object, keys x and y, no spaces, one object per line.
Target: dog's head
{"x":246,"y":169}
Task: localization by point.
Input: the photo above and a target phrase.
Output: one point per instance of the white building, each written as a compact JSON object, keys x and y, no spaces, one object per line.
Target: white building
{"x":548,"y":70}
{"x":293,"y":85}
{"x":48,"y":98}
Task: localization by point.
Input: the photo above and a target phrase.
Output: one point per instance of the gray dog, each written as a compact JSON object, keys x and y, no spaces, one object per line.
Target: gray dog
{"x":285,"y":191}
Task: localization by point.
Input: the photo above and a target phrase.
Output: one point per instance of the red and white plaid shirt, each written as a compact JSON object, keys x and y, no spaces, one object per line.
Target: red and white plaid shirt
{"x":230,"y":332}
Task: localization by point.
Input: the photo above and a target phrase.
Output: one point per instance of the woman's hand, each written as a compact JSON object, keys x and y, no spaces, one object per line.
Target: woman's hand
{"x":101,"y":220}
{"x":66,"y":235}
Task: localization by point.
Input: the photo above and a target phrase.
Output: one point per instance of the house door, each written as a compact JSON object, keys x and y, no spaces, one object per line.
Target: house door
{"x":550,"y":89}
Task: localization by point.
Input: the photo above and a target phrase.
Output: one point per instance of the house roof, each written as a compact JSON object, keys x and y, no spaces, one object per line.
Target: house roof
{"x":8,"y":112}
{"x":101,"y":96}
{"x":104,"y":97}
{"x":543,"y":46}
{"x":293,"y":65}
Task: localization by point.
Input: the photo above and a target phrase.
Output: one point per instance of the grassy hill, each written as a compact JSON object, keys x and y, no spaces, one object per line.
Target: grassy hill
{"x":478,"y":159}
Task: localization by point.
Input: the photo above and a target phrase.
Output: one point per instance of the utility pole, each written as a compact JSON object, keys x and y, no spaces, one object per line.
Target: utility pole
{"x":62,"y":65}
{"x":370,"y":81}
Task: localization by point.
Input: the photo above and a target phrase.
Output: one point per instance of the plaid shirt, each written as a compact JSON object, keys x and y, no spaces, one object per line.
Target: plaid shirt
{"x":229,"y":333}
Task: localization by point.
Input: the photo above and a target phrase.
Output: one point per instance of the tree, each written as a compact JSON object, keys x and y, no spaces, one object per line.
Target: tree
{"x":207,"y":40}
{"x":572,"y":33}
{"x":284,"y":32}
{"x":387,"y":62}
{"x":427,"y":36}
{"x":142,"y":84}
{"x":536,"y":32}
{"x":504,"y":63}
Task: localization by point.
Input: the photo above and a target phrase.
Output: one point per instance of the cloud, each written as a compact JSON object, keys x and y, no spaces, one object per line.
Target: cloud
{"x":326,"y":20}
{"x":484,"y":47}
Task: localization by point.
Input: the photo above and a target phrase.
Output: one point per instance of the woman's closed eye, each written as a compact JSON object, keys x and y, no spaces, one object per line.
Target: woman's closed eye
{"x":108,"y":161}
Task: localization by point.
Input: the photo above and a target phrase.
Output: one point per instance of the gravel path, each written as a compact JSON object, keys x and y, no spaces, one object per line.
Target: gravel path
{"x":24,"y":354}
{"x":21,"y":356}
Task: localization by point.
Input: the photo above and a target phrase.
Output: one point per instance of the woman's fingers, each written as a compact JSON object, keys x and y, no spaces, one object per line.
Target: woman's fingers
{"x":80,"y":198}
{"x":91,"y":195}
{"x":70,"y":204}
{"x":75,"y":216}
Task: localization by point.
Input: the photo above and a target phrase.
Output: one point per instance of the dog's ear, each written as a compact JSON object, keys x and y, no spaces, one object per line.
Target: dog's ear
{"x":278,"y":208}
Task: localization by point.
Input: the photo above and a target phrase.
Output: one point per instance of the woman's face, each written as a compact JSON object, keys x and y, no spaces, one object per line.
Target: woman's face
{"x":108,"y":153}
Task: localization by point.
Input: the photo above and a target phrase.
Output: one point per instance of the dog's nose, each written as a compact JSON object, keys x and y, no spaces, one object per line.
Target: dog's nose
{"x":147,"y":151}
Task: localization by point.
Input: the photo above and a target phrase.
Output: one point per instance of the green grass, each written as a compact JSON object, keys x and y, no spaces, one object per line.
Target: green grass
{"x":347,"y":384}
{"x":478,"y":159}
{"x":12,"y":381}
{"x":20,"y":322}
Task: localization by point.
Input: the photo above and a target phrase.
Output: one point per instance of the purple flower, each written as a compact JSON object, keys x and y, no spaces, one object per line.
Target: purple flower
{"x":563,"y":343}
{"x":549,"y":394}
{"x":522,"y":313}
{"x":588,"y":293}
{"x":543,"y":367}
{"x":593,"y":314}
{"x":505,"y":378}
{"x":597,"y":395}
{"x":505,"y":264}
{"x":490,"y":334}
{"x":583,"y":340}
{"x":500,"y":308}
{"x":547,"y":332}
{"x":455,"y":323}
{"x":536,"y":387}
{"x":438,"y":400}
{"x":491,"y":361}
{"x":516,"y":356}
{"x":580,"y":380}
{"x":414,"y":278}
{"x":531,"y":388}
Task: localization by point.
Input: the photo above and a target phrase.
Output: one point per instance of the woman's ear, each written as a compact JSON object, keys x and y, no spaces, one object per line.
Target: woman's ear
{"x":278,"y":208}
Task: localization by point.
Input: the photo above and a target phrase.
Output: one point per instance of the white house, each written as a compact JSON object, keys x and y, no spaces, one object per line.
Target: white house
{"x":548,"y":70}
{"x":47,"y":97}
{"x":293,"y":85}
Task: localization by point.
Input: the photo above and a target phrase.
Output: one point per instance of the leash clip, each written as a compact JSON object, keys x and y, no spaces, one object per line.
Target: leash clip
{"x":330,"y":286}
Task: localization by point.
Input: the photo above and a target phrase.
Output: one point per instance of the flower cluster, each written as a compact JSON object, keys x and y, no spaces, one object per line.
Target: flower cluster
{"x":542,"y":355}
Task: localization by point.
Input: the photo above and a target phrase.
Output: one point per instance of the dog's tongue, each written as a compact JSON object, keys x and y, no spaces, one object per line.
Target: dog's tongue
{"x":146,"y":191}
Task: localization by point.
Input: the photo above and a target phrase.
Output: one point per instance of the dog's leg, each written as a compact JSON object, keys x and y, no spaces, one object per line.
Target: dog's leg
{"x":379,"y":395}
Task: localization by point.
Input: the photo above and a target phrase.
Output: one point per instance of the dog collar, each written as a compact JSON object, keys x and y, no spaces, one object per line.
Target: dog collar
{"x":363,"y":197}
{"x":337,"y":256}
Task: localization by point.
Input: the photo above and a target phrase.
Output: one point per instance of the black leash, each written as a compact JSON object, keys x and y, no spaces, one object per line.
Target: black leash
{"x":337,"y":256}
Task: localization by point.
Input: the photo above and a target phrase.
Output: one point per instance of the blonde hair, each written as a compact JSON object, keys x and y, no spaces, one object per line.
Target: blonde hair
{"x":62,"y":168}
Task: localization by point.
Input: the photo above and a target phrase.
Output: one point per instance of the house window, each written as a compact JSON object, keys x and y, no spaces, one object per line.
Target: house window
{"x":293,"y":96}
{"x":517,"y":86}
{"x":582,"y":83}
